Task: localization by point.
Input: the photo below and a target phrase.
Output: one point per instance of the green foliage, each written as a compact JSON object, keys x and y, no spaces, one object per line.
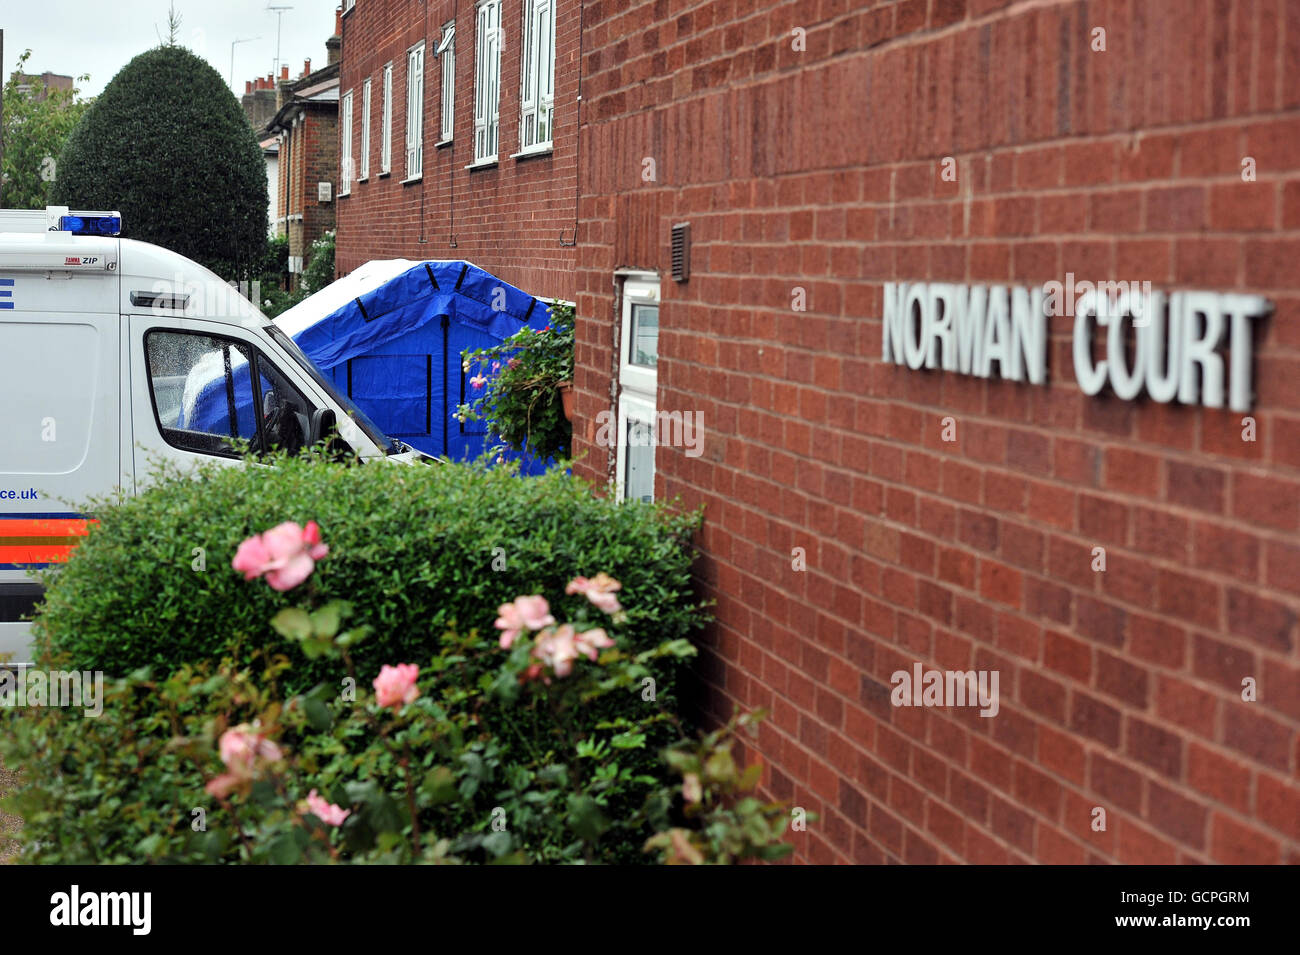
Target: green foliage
{"x":276,"y":301}
{"x":320,"y":266}
{"x":318,"y":274}
{"x":168,"y":146}
{"x":276,"y":263}
{"x":725,"y":824}
{"x":415,"y":550}
{"x":412,"y":548}
{"x":490,"y":763}
{"x":275,"y":295}
{"x":37,"y":123}
{"x":520,"y":378}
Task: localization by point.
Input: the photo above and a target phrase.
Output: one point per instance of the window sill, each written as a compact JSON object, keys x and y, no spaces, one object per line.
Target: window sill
{"x":362,"y":179}
{"x":486,"y":163}
{"x":542,"y":149}
{"x":442,"y":143}
{"x":386,"y":175}
{"x":412,"y":179}
{"x":338,"y":195}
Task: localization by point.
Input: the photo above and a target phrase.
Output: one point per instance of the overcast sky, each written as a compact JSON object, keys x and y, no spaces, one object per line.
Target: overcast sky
{"x":97,"y":37}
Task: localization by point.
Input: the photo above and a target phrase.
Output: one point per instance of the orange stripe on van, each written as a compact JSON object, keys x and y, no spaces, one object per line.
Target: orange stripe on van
{"x":35,"y":554}
{"x":40,"y":540}
{"x":44,"y":527}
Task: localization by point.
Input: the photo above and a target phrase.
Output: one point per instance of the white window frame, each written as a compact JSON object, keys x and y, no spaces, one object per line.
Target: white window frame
{"x":446,"y":54}
{"x":638,"y":386}
{"x":364,"y":171}
{"x":346,"y":162}
{"x":348,"y":5}
{"x":488,"y":38}
{"x":415,"y":112}
{"x":537,"y":76}
{"x":386,"y":147}
{"x":633,"y":408}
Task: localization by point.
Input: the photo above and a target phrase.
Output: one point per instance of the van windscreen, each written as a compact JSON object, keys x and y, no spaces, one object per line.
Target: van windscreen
{"x":372,"y":430}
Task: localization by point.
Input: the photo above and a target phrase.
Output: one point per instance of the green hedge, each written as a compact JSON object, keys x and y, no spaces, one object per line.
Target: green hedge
{"x":414,"y":549}
{"x":439,"y":779}
{"x":419,"y":552}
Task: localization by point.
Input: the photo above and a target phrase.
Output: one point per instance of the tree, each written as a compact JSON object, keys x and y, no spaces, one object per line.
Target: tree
{"x":173,"y":26}
{"x":37,"y":122}
{"x":168,"y":146}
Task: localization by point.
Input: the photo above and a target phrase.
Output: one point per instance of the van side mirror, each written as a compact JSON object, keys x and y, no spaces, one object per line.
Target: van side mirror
{"x":323,"y":424}
{"x":324,"y":427}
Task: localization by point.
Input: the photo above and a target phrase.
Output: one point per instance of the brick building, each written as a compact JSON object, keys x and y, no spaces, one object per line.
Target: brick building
{"x":42,"y":83}
{"x":485,"y":169}
{"x":307,"y":126}
{"x":259,"y":105}
{"x":865,"y":516}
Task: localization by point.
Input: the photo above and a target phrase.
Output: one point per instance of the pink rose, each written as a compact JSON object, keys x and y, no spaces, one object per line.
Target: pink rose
{"x":535,"y":611}
{"x":326,"y":812}
{"x":285,"y":554}
{"x":692,"y":791}
{"x":223,"y":785}
{"x":557,"y":648}
{"x":395,"y":686}
{"x":590,"y":641}
{"x":244,"y":752}
{"x":599,"y":590}
{"x":241,"y":749}
{"x":524,"y":613}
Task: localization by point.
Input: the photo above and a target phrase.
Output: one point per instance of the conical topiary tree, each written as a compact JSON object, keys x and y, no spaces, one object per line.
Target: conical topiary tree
{"x":167,"y":144}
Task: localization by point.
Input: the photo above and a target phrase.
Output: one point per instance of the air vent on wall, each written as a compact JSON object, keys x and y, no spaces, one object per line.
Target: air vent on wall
{"x":681,"y":251}
{"x":159,"y":300}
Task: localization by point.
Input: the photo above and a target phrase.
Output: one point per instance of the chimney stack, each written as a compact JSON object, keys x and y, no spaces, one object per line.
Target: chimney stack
{"x":306,"y":66}
{"x":284,"y":72}
{"x":334,"y":45}
{"x":248,"y":87}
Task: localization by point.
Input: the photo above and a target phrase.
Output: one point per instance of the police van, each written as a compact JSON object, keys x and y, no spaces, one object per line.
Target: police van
{"x":115,"y":356}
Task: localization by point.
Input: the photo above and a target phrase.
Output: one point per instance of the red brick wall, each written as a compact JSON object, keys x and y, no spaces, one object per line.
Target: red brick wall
{"x":509,"y":218}
{"x":310,"y":156}
{"x":821,"y":170}
{"x":320,"y":133}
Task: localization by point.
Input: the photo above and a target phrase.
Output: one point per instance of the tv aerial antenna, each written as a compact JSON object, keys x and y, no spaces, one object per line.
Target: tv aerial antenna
{"x":279,"y":20}
{"x":233,"y":44}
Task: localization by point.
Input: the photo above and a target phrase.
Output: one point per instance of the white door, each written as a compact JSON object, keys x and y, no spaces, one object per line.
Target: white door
{"x":638,"y":432}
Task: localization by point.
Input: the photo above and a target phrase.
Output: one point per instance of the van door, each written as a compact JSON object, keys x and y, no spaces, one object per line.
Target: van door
{"x":59,"y":422}
{"x":203,"y":391}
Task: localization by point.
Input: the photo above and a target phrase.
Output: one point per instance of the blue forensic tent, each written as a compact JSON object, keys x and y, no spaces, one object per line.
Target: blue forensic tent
{"x":391,"y":335}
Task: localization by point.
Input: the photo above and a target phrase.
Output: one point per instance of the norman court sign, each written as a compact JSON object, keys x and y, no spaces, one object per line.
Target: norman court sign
{"x":1179,"y":336}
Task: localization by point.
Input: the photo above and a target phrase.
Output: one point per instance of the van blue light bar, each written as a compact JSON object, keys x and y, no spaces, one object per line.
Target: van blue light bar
{"x":86,"y":224}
